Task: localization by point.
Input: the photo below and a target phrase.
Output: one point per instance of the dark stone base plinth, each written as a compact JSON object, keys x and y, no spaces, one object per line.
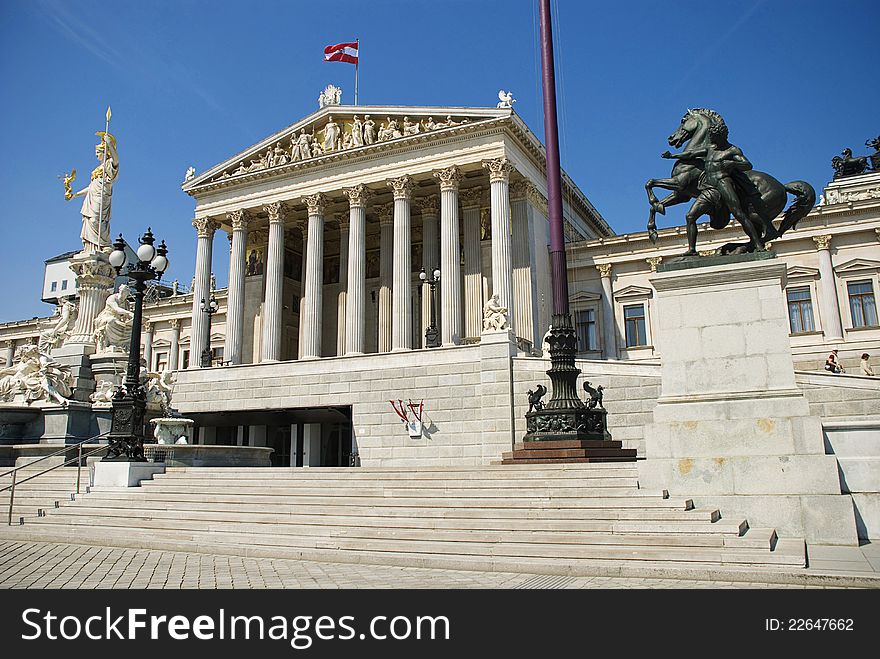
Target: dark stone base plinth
{"x":567,"y":424}
{"x":547,"y":452}
{"x":690,"y":262}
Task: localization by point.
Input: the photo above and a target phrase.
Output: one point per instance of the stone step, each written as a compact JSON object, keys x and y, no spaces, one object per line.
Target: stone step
{"x":697,"y":524}
{"x":608,"y":487}
{"x":481,"y":470}
{"x":317,"y":532}
{"x":568,"y":444}
{"x":530,"y":460}
{"x":397,"y":551}
{"x":586,"y":479}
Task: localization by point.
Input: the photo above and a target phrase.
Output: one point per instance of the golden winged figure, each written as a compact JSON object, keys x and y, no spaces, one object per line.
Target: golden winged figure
{"x":68,"y":179}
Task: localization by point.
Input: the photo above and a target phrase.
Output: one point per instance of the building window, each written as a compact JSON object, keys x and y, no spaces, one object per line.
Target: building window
{"x":585,"y":325}
{"x":185,"y":359}
{"x":161,"y":361}
{"x":64,"y":285}
{"x":634,"y":318}
{"x":217,"y":355}
{"x":54,"y":286}
{"x":800,"y":310}
{"x":862,"y":306}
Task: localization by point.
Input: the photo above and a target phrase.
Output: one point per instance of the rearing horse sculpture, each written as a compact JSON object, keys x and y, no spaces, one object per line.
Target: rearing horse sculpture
{"x":766,"y":201}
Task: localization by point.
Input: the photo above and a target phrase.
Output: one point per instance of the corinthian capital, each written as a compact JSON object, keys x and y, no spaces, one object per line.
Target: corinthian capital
{"x":238,"y":219}
{"x":499,"y":169}
{"x":822,"y":242}
{"x":604,"y":269}
{"x":175,"y":323}
{"x":344,"y":221}
{"x":402,"y":187}
{"x":316,"y":203}
{"x":449,"y":178}
{"x":205,"y":227}
{"x":429,"y":205}
{"x":358,"y":195}
{"x":385,"y":213}
{"x":653,"y":261}
{"x":274,"y":211}
{"x":471,"y":197}
{"x":521,"y":189}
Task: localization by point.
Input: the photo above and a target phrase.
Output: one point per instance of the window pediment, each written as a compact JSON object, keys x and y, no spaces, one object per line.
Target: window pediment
{"x":633,"y":293}
{"x":801,"y":273}
{"x":857,"y":267}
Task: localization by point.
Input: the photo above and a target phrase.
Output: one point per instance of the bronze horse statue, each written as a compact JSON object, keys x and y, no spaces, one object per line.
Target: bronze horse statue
{"x":763,"y":202}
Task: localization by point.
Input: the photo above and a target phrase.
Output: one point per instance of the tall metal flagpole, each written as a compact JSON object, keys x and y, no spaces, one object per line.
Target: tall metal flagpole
{"x":103,"y":176}
{"x":357,"y":47}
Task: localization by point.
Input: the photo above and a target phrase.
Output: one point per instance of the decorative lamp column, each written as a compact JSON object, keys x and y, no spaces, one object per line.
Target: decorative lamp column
{"x":430,"y":207}
{"x":205,"y":228}
{"x":431,"y":333}
{"x":502,"y":265}
{"x":174,"y":354}
{"x":10,"y":352}
{"x":235,"y":300}
{"x":356,"y":289}
{"x":386,"y":245}
{"x":401,"y":291}
{"x":471,"y":200}
{"x":148,"y":345}
{"x":314,"y":290}
{"x":830,"y":305}
{"x":342,"y":296}
{"x":450,"y":257}
{"x":272,"y":306}
{"x":209,"y":308}
{"x":609,"y":325}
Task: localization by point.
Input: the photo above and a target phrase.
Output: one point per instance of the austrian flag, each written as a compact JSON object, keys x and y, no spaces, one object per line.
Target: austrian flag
{"x":342,"y":52}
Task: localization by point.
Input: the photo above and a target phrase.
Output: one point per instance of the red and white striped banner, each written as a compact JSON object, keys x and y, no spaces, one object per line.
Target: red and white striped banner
{"x":342,"y":52}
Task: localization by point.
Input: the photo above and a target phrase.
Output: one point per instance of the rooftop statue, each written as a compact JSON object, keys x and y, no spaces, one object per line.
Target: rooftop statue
{"x":719,"y":177}
{"x":848,"y":165}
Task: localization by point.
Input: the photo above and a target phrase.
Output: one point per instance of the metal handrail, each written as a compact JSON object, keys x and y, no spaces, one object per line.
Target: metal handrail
{"x":79,"y":458}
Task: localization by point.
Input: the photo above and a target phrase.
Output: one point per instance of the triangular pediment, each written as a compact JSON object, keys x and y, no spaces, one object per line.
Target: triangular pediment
{"x":801,"y":272}
{"x":584,"y":296}
{"x":633,"y":292}
{"x":857,"y":265}
{"x":338,"y":131}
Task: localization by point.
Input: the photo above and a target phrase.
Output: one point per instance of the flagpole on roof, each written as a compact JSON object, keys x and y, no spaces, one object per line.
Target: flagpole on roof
{"x":358,"y":49}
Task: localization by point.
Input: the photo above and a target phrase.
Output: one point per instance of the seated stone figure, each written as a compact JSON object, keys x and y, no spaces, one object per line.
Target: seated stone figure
{"x":113,"y":324}
{"x":494,"y":315}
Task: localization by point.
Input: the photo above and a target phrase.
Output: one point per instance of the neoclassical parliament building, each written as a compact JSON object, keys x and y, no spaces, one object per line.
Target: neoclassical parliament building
{"x":328,"y":225}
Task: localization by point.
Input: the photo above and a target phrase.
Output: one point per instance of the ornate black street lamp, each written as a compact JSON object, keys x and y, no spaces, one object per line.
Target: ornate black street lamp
{"x":130,"y":400}
{"x":209,"y":308}
{"x":431,"y":334}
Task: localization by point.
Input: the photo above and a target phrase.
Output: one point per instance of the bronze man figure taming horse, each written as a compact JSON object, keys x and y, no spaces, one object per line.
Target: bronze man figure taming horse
{"x":718,"y":176}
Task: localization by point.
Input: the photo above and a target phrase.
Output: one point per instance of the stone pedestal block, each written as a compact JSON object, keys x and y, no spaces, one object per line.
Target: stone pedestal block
{"x":731,"y":429}
{"x":124,"y":474}
{"x":76,"y":356}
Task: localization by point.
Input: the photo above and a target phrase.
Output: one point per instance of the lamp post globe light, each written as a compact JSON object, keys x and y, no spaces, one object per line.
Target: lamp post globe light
{"x":209,"y":308}
{"x":130,"y":400}
{"x":432,"y":334}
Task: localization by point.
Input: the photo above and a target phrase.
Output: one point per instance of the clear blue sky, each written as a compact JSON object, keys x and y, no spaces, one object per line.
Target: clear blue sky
{"x":193,"y":82}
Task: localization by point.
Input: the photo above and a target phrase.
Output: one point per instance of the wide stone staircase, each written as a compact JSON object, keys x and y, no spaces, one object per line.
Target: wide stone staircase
{"x":557,"y":519}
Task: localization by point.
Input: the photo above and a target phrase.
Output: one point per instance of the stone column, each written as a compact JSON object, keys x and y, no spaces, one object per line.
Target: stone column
{"x":609,"y":326}
{"x":402,"y":317}
{"x":205,"y":227}
{"x":831,"y":324}
{"x":174,"y":353}
{"x":235,"y":300}
{"x":356,"y":289}
{"x":94,"y":280}
{"x":10,"y":353}
{"x":471,"y":199}
{"x":304,"y":243}
{"x":450,"y":258}
{"x":314,"y":290}
{"x":523,"y":262}
{"x":271,"y":343}
{"x":502,"y":265}
{"x":430,"y":207}
{"x":344,"y":222}
{"x":148,"y":344}
{"x":386,"y":240}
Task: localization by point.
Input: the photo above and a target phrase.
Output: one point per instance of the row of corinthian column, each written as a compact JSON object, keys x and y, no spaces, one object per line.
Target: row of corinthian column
{"x":395,"y":294}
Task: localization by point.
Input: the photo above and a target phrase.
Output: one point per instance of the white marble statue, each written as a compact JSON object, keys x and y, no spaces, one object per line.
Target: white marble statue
{"x":56,"y":334}
{"x":242,"y":169}
{"x":331,"y":134}
{"x":505,"y":99}
{"x":301,"y":148}
{"x":35,"y":377}
{"x":357,"y":132}
{"x":332,"y":95}
{"x":159,"y":388}
{"x":96,"y":207}
{"x":430,"y":124}
{"x":494,"y":315}
{"x":279,"y":157}
{"x":113,"y":324}
{"x":103,"y":394}
{"x":190,"y":174}
{"x":369,"y":130}
{"x":172,"y":430}
{"x":410,"y":128}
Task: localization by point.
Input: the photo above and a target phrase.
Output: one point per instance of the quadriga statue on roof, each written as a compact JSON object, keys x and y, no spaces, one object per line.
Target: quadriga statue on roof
{"x":719,"y":178}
